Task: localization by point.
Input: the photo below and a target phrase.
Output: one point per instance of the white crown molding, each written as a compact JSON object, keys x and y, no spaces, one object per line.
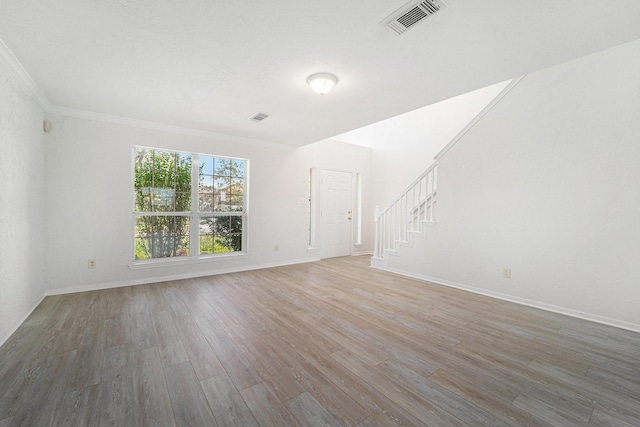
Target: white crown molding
{"x":144,"y":124}
{"x":479,"y":117}
{"x":8,"y":59}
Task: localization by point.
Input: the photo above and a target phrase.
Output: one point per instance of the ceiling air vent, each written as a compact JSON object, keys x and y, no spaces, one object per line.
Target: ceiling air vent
{"x":258,"y":117}
{"x":412,"y":13}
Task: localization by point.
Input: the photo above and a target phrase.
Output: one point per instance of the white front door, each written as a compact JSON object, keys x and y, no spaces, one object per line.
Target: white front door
{"x":336,"y":215}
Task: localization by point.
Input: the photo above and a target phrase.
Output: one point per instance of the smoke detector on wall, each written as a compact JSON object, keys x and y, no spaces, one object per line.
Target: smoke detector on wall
{"x":411,"y":13}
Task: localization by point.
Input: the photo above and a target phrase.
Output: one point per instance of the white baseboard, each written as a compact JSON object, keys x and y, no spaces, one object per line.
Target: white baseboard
{"x":359,"y":253}
{"x":96,"y":287}
{"x":522,"y":301}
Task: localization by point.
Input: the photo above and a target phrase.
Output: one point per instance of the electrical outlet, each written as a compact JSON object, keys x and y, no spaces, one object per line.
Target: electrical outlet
{"x":506,"y":273}
{"x":91,"y":263}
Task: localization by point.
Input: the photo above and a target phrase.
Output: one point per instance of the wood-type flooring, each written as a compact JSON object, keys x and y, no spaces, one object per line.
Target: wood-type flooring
{"x":329,"y":343}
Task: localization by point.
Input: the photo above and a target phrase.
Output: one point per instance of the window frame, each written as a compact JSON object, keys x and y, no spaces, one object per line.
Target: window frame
{"x":194,"y":214}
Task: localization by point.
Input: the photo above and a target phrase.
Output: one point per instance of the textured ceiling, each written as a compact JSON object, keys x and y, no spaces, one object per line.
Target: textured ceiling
{"x":209,"y":65}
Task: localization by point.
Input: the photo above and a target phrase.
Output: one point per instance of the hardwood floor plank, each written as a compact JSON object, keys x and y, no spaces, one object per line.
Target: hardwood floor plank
{"x":309,"y":412}
{"x":266,"y":407}
{"x":118,"y":323}
{"x":588,"y":388}
{"x":397,"y":391}
{"x":370,"y":422}
{"x":142,"y":332}
{"x":71,"y":331}
{"x":227,"y":405}
{"x":347,"y":410}
{"x":439,"y":396}
{"x":175,"y":305}
{"x":88,"y":362}
{"x":235,"y":364}
{"x":603,"y":416}
{"x":16,"y":382}
{"x":192,"y":297}
{"x":150,"y":394}
{"x":77,"y":408}
{"x":155,"y":297}
{"x":388,"y":412}
{"x":115,"y":391}
{"x":346,"y":336}
{"x":549,"y":413}
{"x":190,"y":406}
{"x":43,"y":400}
{"x":478,"y":391}
{"x":203,"y":359}
{"x":169,"y":342}
{"x":275,"y":374}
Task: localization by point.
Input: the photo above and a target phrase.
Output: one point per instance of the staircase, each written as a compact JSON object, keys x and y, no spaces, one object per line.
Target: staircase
{"x":407,"y":216}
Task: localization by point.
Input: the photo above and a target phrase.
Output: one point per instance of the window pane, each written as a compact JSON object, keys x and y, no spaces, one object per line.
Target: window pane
{"x":236,"y":203}
{"x":223,"y":166}
{"x":221,"y":183}
{"x":205,"y":202}
{"x":206,"y":183}
{"x":206,"y":165}
{"x":237,"y":168}
{"x":236,"y":186}
{"x":221,"y":202}
{"x":162,"y":181}
{"x":161,"y":236}
{"x":220,"y":234}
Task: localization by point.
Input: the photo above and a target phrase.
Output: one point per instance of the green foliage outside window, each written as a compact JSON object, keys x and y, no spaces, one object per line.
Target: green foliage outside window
{"x":162,"y":184}
{"x":163,"y":200}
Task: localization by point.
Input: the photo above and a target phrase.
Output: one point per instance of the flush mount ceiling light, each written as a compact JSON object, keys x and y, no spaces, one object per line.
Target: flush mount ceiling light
{"x":322,"y":83}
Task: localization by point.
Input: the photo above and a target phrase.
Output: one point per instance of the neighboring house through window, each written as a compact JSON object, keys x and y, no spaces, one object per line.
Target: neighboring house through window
{"x":187,"y":204}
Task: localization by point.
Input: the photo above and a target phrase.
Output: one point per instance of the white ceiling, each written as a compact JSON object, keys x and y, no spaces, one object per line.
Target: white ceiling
{"x":210,"y":64}
{"x":434,"y":125}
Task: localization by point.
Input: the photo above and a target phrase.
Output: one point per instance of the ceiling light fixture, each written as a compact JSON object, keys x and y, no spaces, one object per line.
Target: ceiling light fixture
{"x":322,"y":83}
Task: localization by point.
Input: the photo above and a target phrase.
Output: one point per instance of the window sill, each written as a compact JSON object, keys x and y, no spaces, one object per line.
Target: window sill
{"x":171,"y":262}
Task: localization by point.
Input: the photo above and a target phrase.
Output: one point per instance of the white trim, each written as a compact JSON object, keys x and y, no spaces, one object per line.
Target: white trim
{"x":166,"y":262}
{"x":8,"y":59}
{"x":360,"y":253}
{"x":522,"y":301}
{"x":69,"y":290}
{"x":6,"y":334}
{"x":145,"y":124}
{"x":479,"y":117}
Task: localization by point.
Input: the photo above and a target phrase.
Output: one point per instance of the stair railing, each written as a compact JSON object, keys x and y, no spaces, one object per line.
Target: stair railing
{"x":409,"y":212}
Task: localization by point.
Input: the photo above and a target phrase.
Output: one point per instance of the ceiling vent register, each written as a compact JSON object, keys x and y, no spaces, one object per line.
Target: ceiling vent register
{"x":258,"y":117}
{"x":411,"y":13}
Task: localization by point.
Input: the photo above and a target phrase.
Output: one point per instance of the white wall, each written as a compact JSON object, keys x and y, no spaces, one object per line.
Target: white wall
{"x":403,"y":147}
{"x":22,"y":217}
{"x":89,"y":201}
{"x":547,"y":185}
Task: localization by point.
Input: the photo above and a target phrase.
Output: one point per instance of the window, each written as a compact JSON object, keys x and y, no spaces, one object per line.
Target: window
{"x":174,"y":192}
